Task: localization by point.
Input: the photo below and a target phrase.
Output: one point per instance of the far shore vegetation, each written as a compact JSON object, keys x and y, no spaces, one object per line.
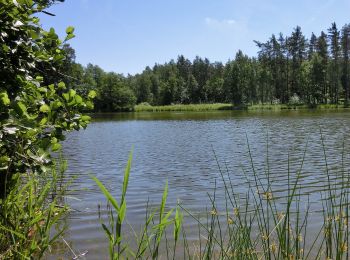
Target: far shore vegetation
{"x":145,"y":107}
{"x":288,"y":71}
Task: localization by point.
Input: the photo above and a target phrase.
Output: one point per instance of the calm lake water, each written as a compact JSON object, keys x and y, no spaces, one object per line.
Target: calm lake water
{"x":181,"y":147}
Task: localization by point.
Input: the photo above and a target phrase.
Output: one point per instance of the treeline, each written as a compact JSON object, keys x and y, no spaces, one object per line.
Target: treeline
{"x":287,"y":69}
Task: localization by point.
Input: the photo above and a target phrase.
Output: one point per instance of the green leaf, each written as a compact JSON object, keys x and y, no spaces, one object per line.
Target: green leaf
{"x":122,"y":212}
{"x":4,"y":98}
{"x":109,"y":234}
{"x":70,"y":29}
{"x":39,"y":78}
{"x":86,"y":118}
{"x":72,"y":93}
{"x":61,"y":85}
{"x":69,"y":36}
{"x":31,"y":132}
{"x":44,"y":108}
{"x":58,"y":57}
{"x":107,"y":194}
{"x":66,"y":96}
{"x":42,"y":89}
{"x":6,"y":48}
{"x":52,"y":31}
{"x":43,"y":121}
{"x":92,"y":94}
{"x":55,"y":147}
{"x":126,"y":176}
{"x":34,"y":34}
{"x":55,"y":105}
{"x":78,"y":99}
{"x":52,"y":86}
{"x":89,"y":105}
{"x":162,"y":205}
{"x":21,"y":108}
{"x":13,"y":232}
{"x":4,"y":158}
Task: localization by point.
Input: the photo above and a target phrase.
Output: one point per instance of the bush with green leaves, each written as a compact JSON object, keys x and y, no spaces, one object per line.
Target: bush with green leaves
{"x":34,"y":113}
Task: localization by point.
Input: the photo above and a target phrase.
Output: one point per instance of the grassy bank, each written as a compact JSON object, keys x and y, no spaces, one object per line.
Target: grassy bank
{"x":182,"y":107}
{"x":223,"y":106}
{"x":294,"y":107}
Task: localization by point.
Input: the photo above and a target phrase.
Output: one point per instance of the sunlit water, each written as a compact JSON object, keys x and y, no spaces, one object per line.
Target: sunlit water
{"x":180,"y":148}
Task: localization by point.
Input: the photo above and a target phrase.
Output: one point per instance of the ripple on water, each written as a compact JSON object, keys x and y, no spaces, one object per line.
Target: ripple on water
{"x":180,"y":148}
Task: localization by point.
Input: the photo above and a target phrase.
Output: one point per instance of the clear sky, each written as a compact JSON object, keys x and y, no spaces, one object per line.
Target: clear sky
{"x":127,"y":35}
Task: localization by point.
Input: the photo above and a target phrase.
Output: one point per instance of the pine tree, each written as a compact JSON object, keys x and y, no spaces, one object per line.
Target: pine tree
{"x":312,"y":46}
{"x":345,"y":42}
{"x":334,"y":39}
{"x":322,"y":51}
{"x":284,"y":64}
{"x":297,"y":50}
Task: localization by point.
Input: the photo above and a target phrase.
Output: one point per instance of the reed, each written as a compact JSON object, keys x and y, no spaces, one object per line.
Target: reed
{"x":30,"y":213}
{"x":256,"y":225}
{"x":153,"y":232}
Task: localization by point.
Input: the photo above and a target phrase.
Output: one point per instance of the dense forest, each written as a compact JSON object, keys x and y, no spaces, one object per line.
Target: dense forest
{"x":287,"y":69}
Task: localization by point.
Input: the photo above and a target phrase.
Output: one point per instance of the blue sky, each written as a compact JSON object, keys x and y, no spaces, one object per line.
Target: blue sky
{"x":125,"y":36}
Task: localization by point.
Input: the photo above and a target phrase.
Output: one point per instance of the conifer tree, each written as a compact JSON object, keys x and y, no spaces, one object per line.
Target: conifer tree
{"x":334,"y":39}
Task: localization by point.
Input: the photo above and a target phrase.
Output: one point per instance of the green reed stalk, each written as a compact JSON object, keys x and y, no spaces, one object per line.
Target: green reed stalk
{"x":254,"y":225}
{"x":28,"y":214}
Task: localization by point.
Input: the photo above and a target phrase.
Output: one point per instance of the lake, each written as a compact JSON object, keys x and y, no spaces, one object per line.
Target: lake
{"x":185,"y":150}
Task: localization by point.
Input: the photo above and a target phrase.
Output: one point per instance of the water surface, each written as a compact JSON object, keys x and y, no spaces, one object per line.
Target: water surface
{"x":180,"y":148}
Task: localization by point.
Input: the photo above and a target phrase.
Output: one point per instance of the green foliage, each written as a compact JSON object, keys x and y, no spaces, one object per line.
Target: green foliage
{"x":314,"y":70}
{"x":34,"y":114}
{"x":110,"y":90}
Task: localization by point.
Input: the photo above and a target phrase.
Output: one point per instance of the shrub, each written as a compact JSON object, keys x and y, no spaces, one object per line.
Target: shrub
{"x":294,"y":100}
{"x":34,"y":113}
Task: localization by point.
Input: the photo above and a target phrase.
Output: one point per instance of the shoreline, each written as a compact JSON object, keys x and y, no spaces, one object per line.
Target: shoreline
{"x":223,"y":106}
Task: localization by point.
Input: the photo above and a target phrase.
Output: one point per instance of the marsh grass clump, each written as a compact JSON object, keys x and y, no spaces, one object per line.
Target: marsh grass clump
{"x":30,"y":214}
{"x":260,"y":224}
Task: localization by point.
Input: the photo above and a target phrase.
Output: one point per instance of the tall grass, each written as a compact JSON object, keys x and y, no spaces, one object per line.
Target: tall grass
{"x":29,"y":214}
{"x":257,"y":225}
